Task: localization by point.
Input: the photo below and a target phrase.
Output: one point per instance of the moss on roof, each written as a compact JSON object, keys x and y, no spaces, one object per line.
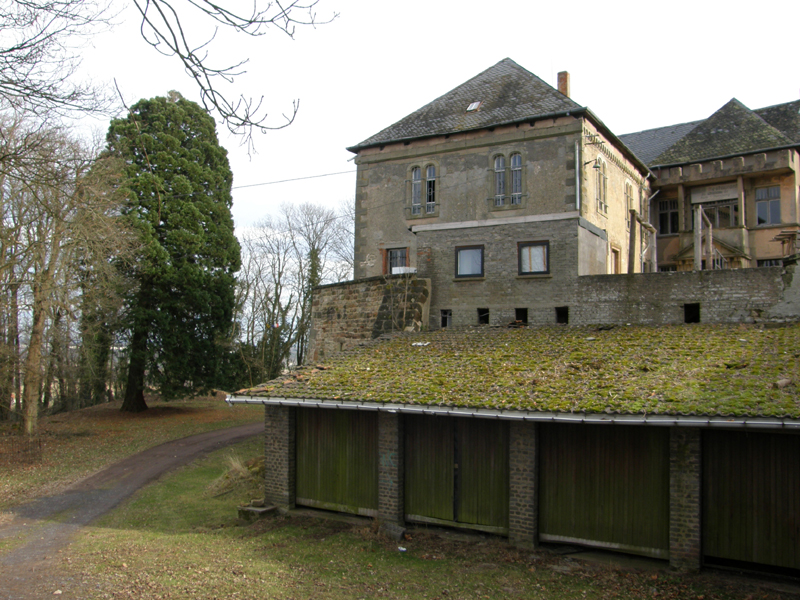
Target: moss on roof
{"x":728,"y":370}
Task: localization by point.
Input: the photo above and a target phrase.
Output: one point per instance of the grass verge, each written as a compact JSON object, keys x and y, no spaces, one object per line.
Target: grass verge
{"x":79,"y":443}
{"x":179,"y":538}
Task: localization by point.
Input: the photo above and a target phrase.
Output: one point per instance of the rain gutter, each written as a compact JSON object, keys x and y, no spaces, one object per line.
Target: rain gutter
{"x":520,"y":415}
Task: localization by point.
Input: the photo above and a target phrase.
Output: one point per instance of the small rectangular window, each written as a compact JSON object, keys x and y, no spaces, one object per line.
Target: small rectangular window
{"x":668,"y":219}
{"x":534,"y":258}
{"x":521,"y":315}
{"x":469,"y":261}
{"x":396,"y":257}
{"x":562,"y":315}
{"x":416,"y":191}
{"x":447,"y":318}
{"x":430,"y":190}
{"x":770,"y":262}
{"x":483,"y":316}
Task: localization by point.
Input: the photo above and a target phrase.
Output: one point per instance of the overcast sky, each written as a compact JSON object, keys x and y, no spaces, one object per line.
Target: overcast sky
{"x":635,"y":65}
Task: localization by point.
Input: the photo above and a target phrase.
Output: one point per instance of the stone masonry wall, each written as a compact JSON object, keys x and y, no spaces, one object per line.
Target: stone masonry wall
{"x":523,"y":510}
{"x":344,"y":314}
{"x":684,"y":499}
{"x":390,"y":473}
{"x":279,"y":456}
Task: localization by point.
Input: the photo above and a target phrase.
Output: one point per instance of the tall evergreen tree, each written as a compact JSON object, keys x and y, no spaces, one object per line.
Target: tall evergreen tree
{"x":179,"y":198}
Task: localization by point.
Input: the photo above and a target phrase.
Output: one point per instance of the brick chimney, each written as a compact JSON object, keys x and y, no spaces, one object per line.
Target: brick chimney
{"x":563,"y":83}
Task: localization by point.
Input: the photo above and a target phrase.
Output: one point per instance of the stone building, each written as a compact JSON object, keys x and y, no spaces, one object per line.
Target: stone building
{"x":741,"y":166}
{"x":501,"y":192}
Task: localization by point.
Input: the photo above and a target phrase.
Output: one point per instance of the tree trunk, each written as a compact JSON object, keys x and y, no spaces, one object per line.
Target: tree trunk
{"x":30,"y":392}
{"x":134,"y":390}
{"x":13,"y":334}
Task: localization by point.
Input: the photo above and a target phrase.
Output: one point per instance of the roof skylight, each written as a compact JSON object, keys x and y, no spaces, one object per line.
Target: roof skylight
{"x":474,"y":106}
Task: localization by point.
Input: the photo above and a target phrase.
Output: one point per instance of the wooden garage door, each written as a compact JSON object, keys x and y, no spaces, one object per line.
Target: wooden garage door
{"x":337,"y":460}
{"x":606,"y":486}
{"x":751,"y":497}
{"x":456,"y":472}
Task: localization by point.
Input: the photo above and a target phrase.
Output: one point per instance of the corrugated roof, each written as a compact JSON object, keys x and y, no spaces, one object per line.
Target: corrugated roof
{"x":507,"y":92}
{"x":709,"y":370}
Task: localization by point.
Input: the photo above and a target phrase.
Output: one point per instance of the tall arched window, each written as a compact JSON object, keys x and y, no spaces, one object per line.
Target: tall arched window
{"x":601,"y":185}
{"x":516,"y":179}
{"x":430,"y":189}
{"x":416,"y":191}
{"x":499,"y":180}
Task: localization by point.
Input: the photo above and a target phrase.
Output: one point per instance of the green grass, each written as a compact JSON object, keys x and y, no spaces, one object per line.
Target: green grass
{"x":79,"y":443}
{"x":179,"y":538}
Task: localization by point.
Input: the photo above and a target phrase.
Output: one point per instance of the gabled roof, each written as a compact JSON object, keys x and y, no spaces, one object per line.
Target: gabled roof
{"x":733,"y":129}
{"x":507,"y":93}
{"x":709,"y":370}
{"x":648,"y":144}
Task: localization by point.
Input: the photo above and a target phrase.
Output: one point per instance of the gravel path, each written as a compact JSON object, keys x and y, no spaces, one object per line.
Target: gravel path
{"x":38,"y":530}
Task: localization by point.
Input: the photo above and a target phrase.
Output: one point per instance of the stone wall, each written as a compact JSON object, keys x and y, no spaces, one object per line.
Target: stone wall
{"x":684,"y":499}
{"x":280,"y":466}
{"x":344,"y":314}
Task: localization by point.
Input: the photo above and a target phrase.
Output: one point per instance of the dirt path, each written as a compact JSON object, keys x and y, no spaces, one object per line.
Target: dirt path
{"x":38,"y":530}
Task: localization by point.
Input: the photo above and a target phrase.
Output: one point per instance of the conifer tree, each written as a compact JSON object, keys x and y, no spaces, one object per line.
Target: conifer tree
{"x":179,"y":197}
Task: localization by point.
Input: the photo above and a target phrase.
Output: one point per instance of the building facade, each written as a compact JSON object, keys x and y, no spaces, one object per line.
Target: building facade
{"x":500,"y":191}
{"x":740,"y":166}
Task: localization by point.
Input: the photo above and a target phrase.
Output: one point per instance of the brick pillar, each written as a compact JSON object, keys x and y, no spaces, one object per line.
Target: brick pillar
{"x":684,"y":498}
{"x":390,"y":474}
{"x":280,"y":456}
{"x":523,"y":473}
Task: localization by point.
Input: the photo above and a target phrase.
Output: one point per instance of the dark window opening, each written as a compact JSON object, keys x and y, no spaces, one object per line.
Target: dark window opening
{"x":562,"y":315}
{"x":396,"y":257}
{"x":691,"y":313}
{"x":483,"y":316}
{"x":521,"y":315}
{"x":447,"y":318}
{"x":770,"y":262}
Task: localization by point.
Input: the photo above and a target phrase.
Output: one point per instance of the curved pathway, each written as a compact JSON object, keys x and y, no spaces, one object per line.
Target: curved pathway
{"x":48,"y":524}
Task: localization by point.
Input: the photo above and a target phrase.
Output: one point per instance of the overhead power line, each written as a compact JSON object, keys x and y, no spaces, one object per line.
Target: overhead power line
{"x":238,"y":187}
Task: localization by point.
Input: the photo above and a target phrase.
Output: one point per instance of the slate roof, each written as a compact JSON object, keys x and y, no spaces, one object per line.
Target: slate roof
{"x":733,"y":129}
{"x":508,"y":93}
{"x":648,"y":144}
{"x":702,"y":369}
{"x":783,"y":117}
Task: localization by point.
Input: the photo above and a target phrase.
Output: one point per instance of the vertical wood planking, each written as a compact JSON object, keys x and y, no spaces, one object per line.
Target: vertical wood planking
{"x":751,"y":497}
{"x":483,"y":469}
{"x":429,"y":466}
{"x":608,"y":484}
{"x":337,"y":458}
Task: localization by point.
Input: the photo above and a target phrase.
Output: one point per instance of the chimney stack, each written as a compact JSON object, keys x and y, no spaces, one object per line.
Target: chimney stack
{"x":563,"y":83}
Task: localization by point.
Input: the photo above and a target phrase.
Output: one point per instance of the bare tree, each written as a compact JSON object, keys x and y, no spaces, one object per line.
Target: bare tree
{"x":41,"y":40}
{"x":53,"y":215}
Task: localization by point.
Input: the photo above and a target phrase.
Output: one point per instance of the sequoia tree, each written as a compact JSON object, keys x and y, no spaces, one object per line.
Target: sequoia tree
{"x":179,"y":200}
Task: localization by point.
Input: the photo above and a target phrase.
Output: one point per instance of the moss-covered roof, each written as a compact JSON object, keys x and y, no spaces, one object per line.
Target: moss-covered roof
{"x":710,"y":370}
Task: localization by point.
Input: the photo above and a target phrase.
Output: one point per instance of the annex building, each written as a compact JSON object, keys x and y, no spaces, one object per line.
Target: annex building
{"x":512,"y":357}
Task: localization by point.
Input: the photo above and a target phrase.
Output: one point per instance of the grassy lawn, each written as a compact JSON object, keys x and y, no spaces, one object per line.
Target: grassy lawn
{"x":179,"y":538}
{"x":79,"y":443}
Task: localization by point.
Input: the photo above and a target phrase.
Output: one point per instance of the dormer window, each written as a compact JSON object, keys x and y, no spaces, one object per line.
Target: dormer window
{"x":473,"y":106}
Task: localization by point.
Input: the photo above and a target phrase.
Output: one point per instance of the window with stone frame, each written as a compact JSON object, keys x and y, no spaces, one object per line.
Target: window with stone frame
{"x":516,"y":178}
{"x":430,"y":189}
{"x":416,"y":191}
{"x":629,"y":203}
{"x":668,"y":217}
{"x":533,"y":258}
{"x":768,"y":205}
{"x":601,"y":186}
{"x":469,"y":261}
{"x":499,"y":180}
{"x":395,"y":257}
{"x":723,"y":213}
